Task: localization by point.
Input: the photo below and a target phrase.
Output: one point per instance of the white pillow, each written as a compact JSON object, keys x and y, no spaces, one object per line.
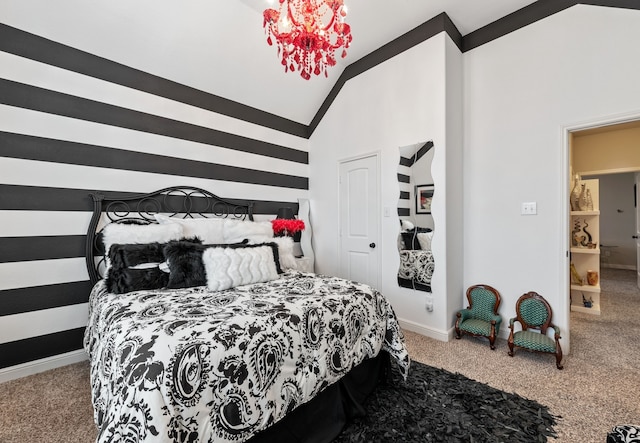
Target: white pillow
{"x":139,"y":234}
{"x":209,"y":230}
{"x":424,"y":238}
{"x":119,"y":233}
{"x":405,"y":225}
{"x":230,"y":267}
{"x":285,"y":252}
{"x":234,"y":231}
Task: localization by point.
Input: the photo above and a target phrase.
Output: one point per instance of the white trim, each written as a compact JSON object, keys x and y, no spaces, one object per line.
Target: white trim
{"x":609,"y":120}
{"x":45,"y":364}
{"x":426,"y":331}
{"x":564,"y":311}
{"x":610,"y":171}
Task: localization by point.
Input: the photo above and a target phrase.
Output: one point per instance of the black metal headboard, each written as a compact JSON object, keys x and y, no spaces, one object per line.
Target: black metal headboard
{"x":177,"y":201}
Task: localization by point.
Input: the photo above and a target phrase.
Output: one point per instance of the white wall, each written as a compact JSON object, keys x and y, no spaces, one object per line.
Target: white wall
{"x":398,"y":103}
{"x":519,"y":92}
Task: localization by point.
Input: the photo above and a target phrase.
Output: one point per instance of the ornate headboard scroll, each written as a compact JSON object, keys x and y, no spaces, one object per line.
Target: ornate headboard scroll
{"x":177,"y":201}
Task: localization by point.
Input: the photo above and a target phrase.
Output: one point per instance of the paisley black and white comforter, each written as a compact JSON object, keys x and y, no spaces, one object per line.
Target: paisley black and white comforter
{"x":417,"y":266}
{"x":191,"y":365}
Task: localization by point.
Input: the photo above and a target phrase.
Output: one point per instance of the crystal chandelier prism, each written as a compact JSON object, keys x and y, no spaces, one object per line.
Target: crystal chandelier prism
{"x":307,"y":34}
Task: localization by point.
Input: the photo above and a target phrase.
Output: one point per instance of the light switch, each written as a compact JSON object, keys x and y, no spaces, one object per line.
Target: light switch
{"x":529,"y":208}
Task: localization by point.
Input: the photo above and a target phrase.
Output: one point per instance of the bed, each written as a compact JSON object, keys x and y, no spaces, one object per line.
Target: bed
{"x":416,"y":258}
{"x":251,"y":349}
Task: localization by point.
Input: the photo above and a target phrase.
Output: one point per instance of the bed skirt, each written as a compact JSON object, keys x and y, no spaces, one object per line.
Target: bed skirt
{"x":323,"y":418}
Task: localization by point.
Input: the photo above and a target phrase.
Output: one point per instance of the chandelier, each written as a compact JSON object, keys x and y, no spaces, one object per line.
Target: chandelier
{"x":307,"y":33}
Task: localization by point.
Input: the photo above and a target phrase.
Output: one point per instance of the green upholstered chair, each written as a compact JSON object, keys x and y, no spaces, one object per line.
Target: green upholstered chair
{"x":534,"y":314}
{"x":481,"y":316}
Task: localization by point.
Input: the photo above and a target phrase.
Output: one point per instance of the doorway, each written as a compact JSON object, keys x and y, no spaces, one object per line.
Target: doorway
{"x":359,"y":196}
{"x":600,"y":149}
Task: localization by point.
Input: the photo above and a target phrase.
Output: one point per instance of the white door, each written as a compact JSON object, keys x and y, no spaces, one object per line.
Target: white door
{"x":359,"y":220}
{"x":637,"y":233}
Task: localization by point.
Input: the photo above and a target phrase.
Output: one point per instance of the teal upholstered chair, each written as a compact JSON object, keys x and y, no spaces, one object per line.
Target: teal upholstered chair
{"x":481,"y":316}
{"x":534,"y":314}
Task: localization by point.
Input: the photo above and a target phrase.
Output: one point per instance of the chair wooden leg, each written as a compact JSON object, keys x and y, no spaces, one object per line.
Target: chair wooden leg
{"x":458,"y":332}
{"x":510,"y":343}
{"x":492,"y":336}
{"x":558,"y":357}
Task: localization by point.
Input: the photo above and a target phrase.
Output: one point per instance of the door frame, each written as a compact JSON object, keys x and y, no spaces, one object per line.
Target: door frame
{"x":377,"y":154}
{"x":565,"y":222}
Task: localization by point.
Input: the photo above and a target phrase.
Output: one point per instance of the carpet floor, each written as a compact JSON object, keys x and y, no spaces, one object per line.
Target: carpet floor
{"x":596,"y":390}
{"x":434,"y":405}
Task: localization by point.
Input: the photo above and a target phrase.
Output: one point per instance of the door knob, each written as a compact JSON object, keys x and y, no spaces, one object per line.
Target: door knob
{"x":372,"y":245}
{"x":634,"y":236}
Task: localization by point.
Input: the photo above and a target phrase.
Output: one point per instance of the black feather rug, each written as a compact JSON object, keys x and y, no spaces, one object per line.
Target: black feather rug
{"x":435,"y":405}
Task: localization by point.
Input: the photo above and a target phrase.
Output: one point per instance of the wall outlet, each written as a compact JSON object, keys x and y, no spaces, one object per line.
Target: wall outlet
{"x":429,"y":304}
{"x":529,"y":208}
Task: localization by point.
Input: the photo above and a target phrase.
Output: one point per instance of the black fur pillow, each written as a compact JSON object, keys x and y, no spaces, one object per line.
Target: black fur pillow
{"x":410,"y":238}
{"x":185,"y":264}
{"x":121,"y":278}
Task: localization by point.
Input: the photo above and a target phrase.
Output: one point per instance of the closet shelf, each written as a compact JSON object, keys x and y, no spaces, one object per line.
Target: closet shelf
{"x":583,"y":213}
{"x":585,"y":225}
{"x":585,"y":251}
{"x":586,"y":288}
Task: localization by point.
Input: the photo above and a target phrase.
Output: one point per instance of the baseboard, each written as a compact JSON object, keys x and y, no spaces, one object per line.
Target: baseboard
{"x":614,"y":266}
{"x":34,"y":367}
{"x":428,"y":332}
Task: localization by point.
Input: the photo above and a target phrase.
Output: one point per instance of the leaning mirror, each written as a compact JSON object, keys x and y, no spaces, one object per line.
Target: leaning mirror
{"x":414,"y":213}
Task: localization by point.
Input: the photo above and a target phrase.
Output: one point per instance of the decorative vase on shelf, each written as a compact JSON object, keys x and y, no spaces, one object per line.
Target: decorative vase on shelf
{"x":588,"y":239}
{"x":574,"y":197}
{"x":592,"y":277}
{"x":582,"y":199}
{"x":575,"y":237}
{"x":575,"y":277}
{"x":589,"y":200}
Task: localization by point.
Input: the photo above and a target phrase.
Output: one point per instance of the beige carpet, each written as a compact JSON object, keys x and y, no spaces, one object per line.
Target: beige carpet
{"x":597,"y":389}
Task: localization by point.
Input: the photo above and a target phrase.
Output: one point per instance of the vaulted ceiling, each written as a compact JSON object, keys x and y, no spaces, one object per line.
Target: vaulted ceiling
{"x":219,"y":46}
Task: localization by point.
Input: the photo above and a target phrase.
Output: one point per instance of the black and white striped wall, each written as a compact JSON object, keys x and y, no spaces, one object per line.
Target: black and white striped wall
{"x":71,"y":123}
{"x":406,"y":186}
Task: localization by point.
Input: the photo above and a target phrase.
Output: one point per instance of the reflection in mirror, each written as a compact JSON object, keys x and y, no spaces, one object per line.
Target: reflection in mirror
{"x":414,"y":212}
